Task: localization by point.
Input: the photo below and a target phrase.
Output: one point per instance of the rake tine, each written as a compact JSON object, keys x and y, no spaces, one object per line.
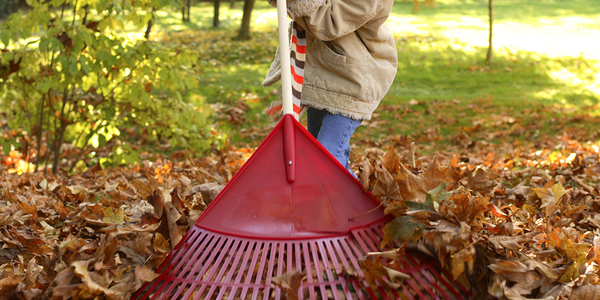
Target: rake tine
{"x":275,"y":253}
{"x":431,"y":280}
{"x":239,"y":251}
{"x":176,"y":252}
{"x":353,"y":254}
{"x":216,"y":265}
{"x":361,"y":242}
{"x":256,"y":252}
{"x":204,"y":263}
{"x":299,"y":250}
{"x":309,"y":267}
{"x":334,"y":248}
{"x":202,"y":238}
{"x":443,"y":275}
{"x":230,"y":255}
{"x":247,"y":253}
{"x":318,"y":272}
{"x":261,"y":267}
{"x":327,"y":257}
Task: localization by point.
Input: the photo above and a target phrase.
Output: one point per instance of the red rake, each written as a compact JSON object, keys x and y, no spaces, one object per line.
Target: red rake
{"x":295,"y":209}
{"x":261,"y":226}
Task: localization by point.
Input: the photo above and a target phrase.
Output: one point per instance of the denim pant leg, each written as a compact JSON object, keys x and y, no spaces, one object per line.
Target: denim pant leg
{"x":314,"y":119}
{"x":334,"y":133}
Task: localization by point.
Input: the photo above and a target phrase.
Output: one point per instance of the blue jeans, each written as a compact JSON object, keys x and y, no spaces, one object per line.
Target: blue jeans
{"x":333,"y":132}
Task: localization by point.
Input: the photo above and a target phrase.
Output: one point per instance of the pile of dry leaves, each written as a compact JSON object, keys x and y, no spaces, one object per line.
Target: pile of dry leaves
{"x":101,"y":233}
{"x":520,"y":224}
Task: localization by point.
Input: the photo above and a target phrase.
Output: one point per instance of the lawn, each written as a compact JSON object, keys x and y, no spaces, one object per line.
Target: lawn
{"x":544,"y":80}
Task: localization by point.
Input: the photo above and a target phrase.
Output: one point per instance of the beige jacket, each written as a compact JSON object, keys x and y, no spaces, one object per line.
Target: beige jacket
{"x":351,"y":57}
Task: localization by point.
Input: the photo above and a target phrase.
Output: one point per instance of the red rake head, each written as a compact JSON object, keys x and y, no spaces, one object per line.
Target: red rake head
{"x":259,"y":202}
{"x":210,"y":265}
{"x":263,"y":225}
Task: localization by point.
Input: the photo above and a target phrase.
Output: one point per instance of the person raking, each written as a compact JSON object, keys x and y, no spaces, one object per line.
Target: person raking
{"x":343,"y":60}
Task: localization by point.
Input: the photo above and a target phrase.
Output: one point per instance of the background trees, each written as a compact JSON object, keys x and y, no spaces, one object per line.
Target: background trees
{"x":73,"y":78}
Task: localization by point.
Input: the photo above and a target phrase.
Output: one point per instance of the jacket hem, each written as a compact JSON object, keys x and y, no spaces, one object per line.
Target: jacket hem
{"x":351,"y":102}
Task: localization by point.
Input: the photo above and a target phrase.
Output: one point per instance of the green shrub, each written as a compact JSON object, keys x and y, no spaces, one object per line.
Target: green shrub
{"x":73,"y":77}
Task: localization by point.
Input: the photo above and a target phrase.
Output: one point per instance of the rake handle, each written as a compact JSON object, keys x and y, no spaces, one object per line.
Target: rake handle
{"x":289,"y":140}
{"x":284,"y":52}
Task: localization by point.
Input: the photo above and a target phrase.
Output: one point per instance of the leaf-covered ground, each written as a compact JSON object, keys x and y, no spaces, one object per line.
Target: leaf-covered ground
{"x":505,"y":194}
{"x":509,"y":222}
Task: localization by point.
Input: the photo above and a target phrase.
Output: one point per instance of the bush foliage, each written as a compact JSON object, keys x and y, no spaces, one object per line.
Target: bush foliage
{"x":74,"y":78}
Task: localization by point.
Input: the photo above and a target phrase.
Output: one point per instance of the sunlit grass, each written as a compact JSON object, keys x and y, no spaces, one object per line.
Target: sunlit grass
{"x":552,"y":28}
{"x":545,"y":77}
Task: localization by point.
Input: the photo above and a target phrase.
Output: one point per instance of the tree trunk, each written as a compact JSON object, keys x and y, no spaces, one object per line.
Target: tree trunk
{"x":150,"y":24}
{"x":231,"y":3}
{"x":244,"y":33}
{"x":148,"y":29}
{"x":40,"y":127}
{"x":185,"y":10}
{"x":490,"y":53}
{"x":189,"y":8}
{"x":216,"y":17}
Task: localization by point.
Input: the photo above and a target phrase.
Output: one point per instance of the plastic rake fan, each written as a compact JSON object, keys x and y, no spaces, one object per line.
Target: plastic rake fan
{"x":261,"y":226}
{"x":291,"y":207}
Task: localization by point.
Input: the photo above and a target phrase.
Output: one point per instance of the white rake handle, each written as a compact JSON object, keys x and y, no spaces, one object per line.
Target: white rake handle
{"x":284,"y":52}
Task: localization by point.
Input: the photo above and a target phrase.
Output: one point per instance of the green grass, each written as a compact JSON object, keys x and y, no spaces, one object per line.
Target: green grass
{"x":544,"y":80}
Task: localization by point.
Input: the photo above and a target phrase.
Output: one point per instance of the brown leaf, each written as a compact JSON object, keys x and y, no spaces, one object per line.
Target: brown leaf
{"x":62,"y":210}
{"x":8,"y":286}
{"x":177,"y":202}
{"x":289,"y":282}
{"x":160,"y":244}
{"x":587,"y":292}
{"x":30,"y":209}
{"x":464,"y":260}
{"x":435,"y":173}
{"x":412,"y":187}
{"x":208,"y":190}
{"x":478,"y":181}
{"x":145,"y":274}
{"x":510,"y":269}
{"x":390,"y":160}
{"x":551,"y":197}
{"x":385,"y":187}
{"x":525,"y":284}
{"x":80,"y":270}
{"x":375,"y":272}
{"x":366,"y":170}
{"x":144,"y":187}
{"x":510,"y":242}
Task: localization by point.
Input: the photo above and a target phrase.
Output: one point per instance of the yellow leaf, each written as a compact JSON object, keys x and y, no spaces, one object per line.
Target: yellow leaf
{"x":113,"y":217}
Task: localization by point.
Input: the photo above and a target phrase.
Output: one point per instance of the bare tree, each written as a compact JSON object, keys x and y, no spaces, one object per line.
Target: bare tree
{"x":185,"y":10}
{"x":490,"y":53}
{"x":245,"y":28}
{"x":217,"y":4}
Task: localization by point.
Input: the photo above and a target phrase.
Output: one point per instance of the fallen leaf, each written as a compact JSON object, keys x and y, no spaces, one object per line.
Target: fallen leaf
{"x":289,"y":282}
{"x":112,"y":216}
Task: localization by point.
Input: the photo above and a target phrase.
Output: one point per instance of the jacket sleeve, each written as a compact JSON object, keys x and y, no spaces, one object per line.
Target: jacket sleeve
{"x":331,"y":19}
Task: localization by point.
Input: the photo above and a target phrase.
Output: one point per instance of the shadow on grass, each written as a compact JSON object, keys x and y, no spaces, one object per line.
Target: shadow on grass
{"x":438,"y":68}
{"x":443,"y":92}
{"x":202,"y":16}
{"x":518,"y":11}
